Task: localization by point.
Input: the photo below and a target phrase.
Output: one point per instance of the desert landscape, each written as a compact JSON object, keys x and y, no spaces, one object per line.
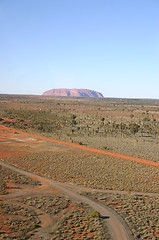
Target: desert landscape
{"x":79,"y":120}
{"x":79,"y":168}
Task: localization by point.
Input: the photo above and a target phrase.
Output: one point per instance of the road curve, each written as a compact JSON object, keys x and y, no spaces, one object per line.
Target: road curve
{"x":85,"y":148}
{"x":116,"y":225}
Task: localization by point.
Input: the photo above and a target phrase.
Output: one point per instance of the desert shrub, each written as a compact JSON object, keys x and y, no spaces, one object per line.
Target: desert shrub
{"x":134,"y":128}
{"x":95,"y":214}
{"x":74,"y":122}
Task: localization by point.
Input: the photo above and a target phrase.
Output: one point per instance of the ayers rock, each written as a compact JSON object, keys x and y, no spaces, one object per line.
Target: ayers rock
{"x":63,"y":92}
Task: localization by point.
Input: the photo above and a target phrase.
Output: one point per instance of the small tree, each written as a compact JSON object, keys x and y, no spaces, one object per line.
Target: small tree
{"x":95,"y":214}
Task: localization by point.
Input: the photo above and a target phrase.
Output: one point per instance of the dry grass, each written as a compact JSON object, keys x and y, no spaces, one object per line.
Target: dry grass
{"x":140,"y":212}
{"x":125,"y":126}
{"x":106,"y":123}
{"x":90,"y":170}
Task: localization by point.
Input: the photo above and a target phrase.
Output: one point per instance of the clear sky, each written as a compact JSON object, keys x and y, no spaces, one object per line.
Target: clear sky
{"x":111,"y":46}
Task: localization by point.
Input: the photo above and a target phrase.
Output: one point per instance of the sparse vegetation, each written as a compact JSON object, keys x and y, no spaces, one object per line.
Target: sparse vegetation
{"x":18,"y":222}
{"x":9,"y":176}
{"x":49,"y":204}
{"x":139,"y":212}
{"x":92,"y":122}
{"x":79,"y":225}
{"x":125,"y":126}
{"x":90,"y":170}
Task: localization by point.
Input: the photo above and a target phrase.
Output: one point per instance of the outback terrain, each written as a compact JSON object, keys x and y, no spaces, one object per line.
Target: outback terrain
{"x":79,"y":168}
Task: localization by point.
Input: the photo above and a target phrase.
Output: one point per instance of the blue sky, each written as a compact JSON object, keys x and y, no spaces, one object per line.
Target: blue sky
{"x":111,"y":46}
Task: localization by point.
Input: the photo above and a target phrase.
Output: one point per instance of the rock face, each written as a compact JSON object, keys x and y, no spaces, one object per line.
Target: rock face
{"x":62,"y":92}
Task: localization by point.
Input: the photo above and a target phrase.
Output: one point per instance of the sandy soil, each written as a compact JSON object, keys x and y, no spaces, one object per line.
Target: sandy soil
{"x":26,"y":143}
{"x":85,"y":148}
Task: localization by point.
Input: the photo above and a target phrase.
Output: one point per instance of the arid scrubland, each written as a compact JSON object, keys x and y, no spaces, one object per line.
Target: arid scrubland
{"x":45,"y":215}
{"x":9,"y":176}
{"x":140,"y":212}
{"x":117,"y":125}
{"x":90,"y":170}
{"x":122,"y":125}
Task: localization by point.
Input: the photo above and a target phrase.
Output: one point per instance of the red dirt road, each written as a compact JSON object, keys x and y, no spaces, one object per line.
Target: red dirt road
{"x":85,"y":148}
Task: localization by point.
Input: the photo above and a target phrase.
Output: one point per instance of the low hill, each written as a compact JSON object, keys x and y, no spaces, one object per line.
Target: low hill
{"x":62,"y":92}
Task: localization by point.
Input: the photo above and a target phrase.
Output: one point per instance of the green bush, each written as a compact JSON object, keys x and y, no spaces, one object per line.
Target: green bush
{"x":95,"y":214}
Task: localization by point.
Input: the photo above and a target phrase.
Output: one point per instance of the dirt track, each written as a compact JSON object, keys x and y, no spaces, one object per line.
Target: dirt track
{"x":89,"y":149}
{"x":116,"y":225}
